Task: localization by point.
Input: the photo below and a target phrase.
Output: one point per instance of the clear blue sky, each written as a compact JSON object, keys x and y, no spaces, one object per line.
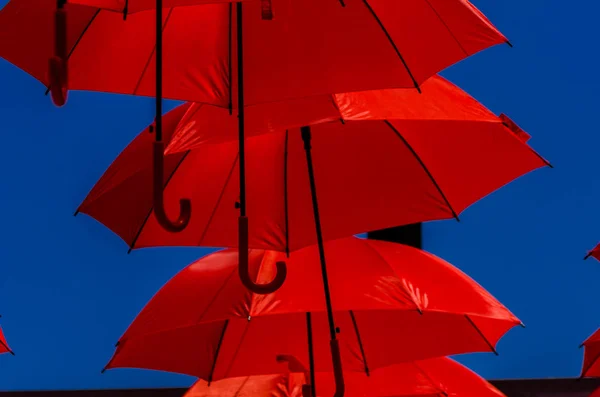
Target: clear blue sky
{"x":68,"y":289}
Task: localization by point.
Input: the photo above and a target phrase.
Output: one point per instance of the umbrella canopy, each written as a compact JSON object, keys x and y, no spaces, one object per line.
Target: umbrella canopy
{"x":3,"y":345}
{"x":393,"y":303}
{"x":595,"y":253}
{"x":397,"y":157}
{"x":591,"y":358}
{"x":312,"y":46}
{"x":434,"y":377}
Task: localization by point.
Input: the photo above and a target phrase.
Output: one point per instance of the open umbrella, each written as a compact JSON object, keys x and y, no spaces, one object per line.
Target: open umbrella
{"x":595,"y":253}
{"x":3,"y":345}
{"x":393,"y":304}
{"x":313,"y":47}
{"x":591,"y":358}
{"x":435,"y":377}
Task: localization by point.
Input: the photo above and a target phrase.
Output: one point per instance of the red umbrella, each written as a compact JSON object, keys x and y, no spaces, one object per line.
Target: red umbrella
{"x":3,"y":345}
{"x":398,"y":157}
{"x":319,"y":47}
{"x":435,"y":377}
{"x":312,"y":46}
{"x":393,"y":303}
{"x":595,"y":253}
{"x":591,"y":358}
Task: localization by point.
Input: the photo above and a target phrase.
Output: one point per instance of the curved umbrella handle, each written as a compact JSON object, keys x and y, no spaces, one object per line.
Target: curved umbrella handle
{"x":185,"y":205}
{"x":338,"y":373}
{"x":261,"y":289}
{"x":57,"y":65}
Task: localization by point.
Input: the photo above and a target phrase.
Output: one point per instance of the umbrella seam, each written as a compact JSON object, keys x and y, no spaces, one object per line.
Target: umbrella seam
{"x":214,"y":365}
{"x":214,"y":211}
{"x":447,"y":27}
{"x":138,"y":234}
{"x":437,"y":386}
{"x":6,"y":347}
{"x":237,"y":350}
{"x":492,"y":348}
{"x":237,"y":393}
{"x":394,"y":46}
{"x":385,"y":261}
{"x":588,"y":367}
{"x":414,"y":153}
{"x":137,"y":86}
{"x":199,"y":320}
{"x":360,"y":344}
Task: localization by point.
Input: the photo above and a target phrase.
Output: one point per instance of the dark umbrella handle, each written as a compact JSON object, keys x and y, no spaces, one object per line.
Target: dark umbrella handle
{"x":306,"y":391}
{"x":57,"y":64}
{"x":338,"y":373}
{"x":185,"y":205}
{"x":261,"y":289}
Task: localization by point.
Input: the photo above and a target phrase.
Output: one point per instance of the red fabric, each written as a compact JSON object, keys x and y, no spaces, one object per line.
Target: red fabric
{"x":383,"y":285}
{"x":591,"y":358}
{"x":434,"y":377}
{"x":312,"y":47}
{"x":370,"y":173}
{"x":3,"y":344}
{"x":595,"y":253}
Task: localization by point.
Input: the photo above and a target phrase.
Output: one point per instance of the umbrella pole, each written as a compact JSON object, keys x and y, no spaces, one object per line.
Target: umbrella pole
{"x":57,"y":64}
{"x":185,"y":206}
{"x":334,"y":343}
{"x":243,"y":269}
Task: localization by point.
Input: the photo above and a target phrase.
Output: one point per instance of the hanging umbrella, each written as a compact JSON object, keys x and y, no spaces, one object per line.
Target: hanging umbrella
{"x":591,"y":358}
{"x":313,"y":47}
{"x":397,"y":157}
{"x":393,"y":304}
{"x":435,"y":377}
{"x":3,"y":345}
{"x":595,"y":253}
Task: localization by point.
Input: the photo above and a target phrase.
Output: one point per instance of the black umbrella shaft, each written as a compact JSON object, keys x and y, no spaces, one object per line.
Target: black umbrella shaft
{"x":311,"y":355}
{"x":159,"y":59}
{"x":240,"y":82}
{"x":306,"y":137}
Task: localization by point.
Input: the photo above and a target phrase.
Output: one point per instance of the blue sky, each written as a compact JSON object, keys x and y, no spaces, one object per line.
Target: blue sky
{"x":68,"y":289}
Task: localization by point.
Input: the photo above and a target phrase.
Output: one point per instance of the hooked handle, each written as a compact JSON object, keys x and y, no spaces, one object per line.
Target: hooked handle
{"x":57,"y":64}
{"x":338,"y":373}
{"x":185,"y":205}
{"x":261,"y":289}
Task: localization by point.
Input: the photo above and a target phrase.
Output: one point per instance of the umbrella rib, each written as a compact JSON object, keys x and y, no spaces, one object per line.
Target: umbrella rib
{"x":492,"y":348}
{"x":78,"y":40}
{"x":414,"y":153}
{"x":285,"y":195}
{"x":590,"y":365}
{"x":237,"y":393}
{"x":237,"y":350}
{"x":137,"y":86}
{"x":387,"y":34}
{"x":214,"y":211}
{"x":447,"y":27}
{"x":6,"y":347}
{"x":406,"y":291}
{"x":214,"y":364}
{"x":139,"y":232}
{"x":430,"y":379}
{"x":360,"y":344}
{"x":215,"y":296}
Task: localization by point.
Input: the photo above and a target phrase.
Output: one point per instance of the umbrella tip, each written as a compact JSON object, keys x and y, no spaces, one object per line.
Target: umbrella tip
{"x":11,"y":352}
{"x":522,"y":325}
{"x":76,"y":212}
{"x":509,"y":43}
{"x":103,"y":370}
